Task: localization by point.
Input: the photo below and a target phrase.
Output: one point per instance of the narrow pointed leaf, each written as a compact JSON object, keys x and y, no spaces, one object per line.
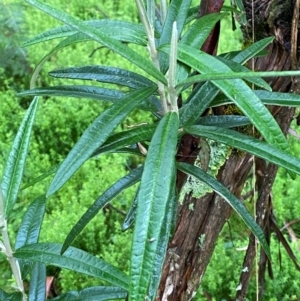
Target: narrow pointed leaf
{"x":79,"y":91}
{"x":198,"y":101}
{"x":131,"y":214}
{"x":37,"y":288}
{"x":234,"y":202}
{"x":29,"y":229}
{"x":75,"y":260}
{"x":269,"y":98}
{"x":127,"y":31}
{"x":105,"y":74}
{"x":248,"y":144}
{"x":96,"y":293}
{"x":102,"y":38}
{"x":237,"y":91}
{"x":226,"y":121}
{"x":96,"y":134}
{"x":14,"y":167}
{"x":198,"y":32}
{"x":122,"y":184}
{"x":177,"y":12}
{"x":245,"y":55}
{"x":126,"y":138}
{"x":162,"y":247}
{"x":17,"y":296}
{"x":155,"y":191}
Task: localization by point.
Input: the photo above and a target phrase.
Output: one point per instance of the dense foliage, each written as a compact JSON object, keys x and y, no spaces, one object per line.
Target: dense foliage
{"x":59,"y":124}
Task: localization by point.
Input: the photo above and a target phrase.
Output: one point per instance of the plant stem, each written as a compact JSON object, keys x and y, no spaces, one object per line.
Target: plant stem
{"x":152,"y":50}
{"x":7,"y":250}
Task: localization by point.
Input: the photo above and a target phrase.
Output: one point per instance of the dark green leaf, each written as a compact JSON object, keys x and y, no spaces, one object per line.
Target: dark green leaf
{"x":96,"y":134}
{"x":177,"y":11}
{"x":246,"y":143}
{"x":75,"y":260}
{"x":122,"y":184}
{"x":30,"y":228}
{"x":96,"y":293}
{"x":234,"y":202}
{"x":13,"y":171}
{"x":236,"y":90}
{"x":102,"y":38}
{"x":226,"y":121}
{"x":37,"y":287}
{"x":127,"y":138}
{"x":131,"y":214}
{"x":17,"y":296}
{"x":198,"y":101}
{"x":156,"y":188}
{"x":120,"y":30}
{"x":105,"y":74}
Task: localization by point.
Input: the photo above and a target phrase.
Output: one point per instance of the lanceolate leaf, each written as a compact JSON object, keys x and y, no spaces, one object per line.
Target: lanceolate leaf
{"x":198,"y":32}
{"x":102,"y":38}
{"x":236,"y":90}
{"x":234,"y":202}
{"x":14,"y":167}
{"x":127,"y":138}
{"x":29,"y":229}
{"x":125,"y":182}
{"x":96,"y":293}
{"x":225,"y":121}
{"x":246,"y":143}
{"x":96,"y":134}
{"x":127,"y":31}
{"x":75,"y":260}
{"x":177,"y":11}
{"x":198,"y":101}
{"x":37,"y":287}
{"x":270,"y":98}
{"x":163,"y":241}
{"x":105,"y":74}
{"x":79,"y":91}
{"x":31,"y":224}
{"x":155,"y":190}
{"x":130,"y":216}
{"x":245,"y":55}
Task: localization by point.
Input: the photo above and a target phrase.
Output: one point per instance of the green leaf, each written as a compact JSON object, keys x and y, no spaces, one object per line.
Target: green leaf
{"x":197,"y":102}
{"x":17,"y":296}
{"x":162,"y":247}
{"x":79,"y":91}
{"x":75,"y":260}
{"x":96,"y":134}
{"x":126,"y":138}
{"x":236,"y":67}
{"x":234,"y":202}
{"x":198,"y":32}
{"x":13,"y":171}
{"x":122,"y":184}
{"x":37,"y":287}
{"x":177,"y":11}
{"x":92,"y":92}
{"x":102,"y":38}
{"x":96,"y":293}
{"x":245,"y":55}
{"x":156,"y":188}
{"x":248,"y":144}
{"x":121,"y":30}
{"x":269,"y":98}
{"x":30,"y":228}
{"x":226,"y":121}
{"x":131,"y":214}
{"x":237,"y":91}
{"x":3,"y":294}
{"x":105,"y":74}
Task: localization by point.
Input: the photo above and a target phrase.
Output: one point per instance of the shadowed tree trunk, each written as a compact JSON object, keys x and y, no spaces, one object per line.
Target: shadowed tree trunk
{"x":186,"y":259}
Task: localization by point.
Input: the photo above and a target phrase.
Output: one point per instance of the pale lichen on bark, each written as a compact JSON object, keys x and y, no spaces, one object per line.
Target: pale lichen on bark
{"x":210,"y":160}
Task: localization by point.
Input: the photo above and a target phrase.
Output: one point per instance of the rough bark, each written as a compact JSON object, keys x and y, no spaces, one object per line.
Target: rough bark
{"x":187,"y":259}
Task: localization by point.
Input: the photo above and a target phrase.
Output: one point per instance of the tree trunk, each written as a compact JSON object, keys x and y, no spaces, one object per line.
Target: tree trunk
{"x":187,"y":259}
